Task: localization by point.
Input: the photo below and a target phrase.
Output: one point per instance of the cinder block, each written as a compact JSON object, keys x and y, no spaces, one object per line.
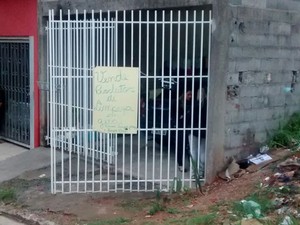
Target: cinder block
{"x":235,"y":52}
{"x":289,"y":5}
{"x":272,"y":4}
{"x":231,"y":66}
{"x":268,"y":40}
{"x":233,"y":79}
{"x":235,"y":2}
{"x":277,"y":15}
{"x":271,"y":65}
{"x":246,"y":102}
{"x":260,"y":137}
{"x":255,"y":3}
{"x":278,"y":100}
{"x":250,"y":115}
{"x":253,"y":77}
{"x":295,"y":40}
{"x":233,"y":141}
{"x":250,"y":91}
{"x":250,"y":64}
{"x":259,"y":102}
{"x":253,"y":51}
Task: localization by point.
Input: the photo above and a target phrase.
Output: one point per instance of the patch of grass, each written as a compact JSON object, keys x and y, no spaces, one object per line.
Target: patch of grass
{"x":287,"y":135}
{"x":7,"y":194}
{"x":156,"y":207}
{"x":196,"y":220}
{"x":172,"y":210}
{"x":132,"y":205}
{"x":116,"y":221}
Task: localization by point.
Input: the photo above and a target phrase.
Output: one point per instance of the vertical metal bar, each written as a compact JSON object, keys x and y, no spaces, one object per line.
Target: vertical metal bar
{"x":124,"y":64}
{"x":131,"y":140}
{"x":55,"y":97}
{"x":162,"y":97}
{"x":50,"y":38}
{"x":147,"y":99}
{"x":154,"y":105}
{"x":177,"y":94}
{"x":185,"y":91}
{"x":61,"y":96}
{"x":116,"y":64}
{"x":101,"y":135}
{"x":79,"y":91}
{"x":170,"y":77}
{"x":85,"y":97}
{"x":92,"y":50}
{"x":108,"y":39}
{"x":139,"y":121}
{"x":193,"y":161}
{"x":69,"y":98}
{"x":208,"y":92}
{"x":124,"y":38}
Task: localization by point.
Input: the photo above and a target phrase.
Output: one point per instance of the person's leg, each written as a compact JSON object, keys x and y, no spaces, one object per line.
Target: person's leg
{"x":182,"y":152}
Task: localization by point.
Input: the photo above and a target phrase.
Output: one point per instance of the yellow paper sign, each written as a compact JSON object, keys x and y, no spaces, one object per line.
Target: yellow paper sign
{"x":115,"y":99}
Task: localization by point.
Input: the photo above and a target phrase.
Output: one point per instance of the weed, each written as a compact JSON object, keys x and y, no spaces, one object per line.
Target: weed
{"x":7,"y":194}
{"x":156,"y":207}
{"x":176,"y":185}
{"x":132,"y":205}
{"x":172,"y":210}
{"x":197,"y":175}
{"x":262,"y":198}
{"x":196,"y":220}
{"x":288,"y":135}
{"x":116,"y":221}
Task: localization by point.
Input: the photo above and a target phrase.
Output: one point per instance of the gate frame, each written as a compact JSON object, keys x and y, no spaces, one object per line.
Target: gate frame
{"x":53,"y":154}
{"x":30,"y":41}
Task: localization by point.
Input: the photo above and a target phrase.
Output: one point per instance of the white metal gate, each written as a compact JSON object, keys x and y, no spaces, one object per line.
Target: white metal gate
{"x":172,"y":50}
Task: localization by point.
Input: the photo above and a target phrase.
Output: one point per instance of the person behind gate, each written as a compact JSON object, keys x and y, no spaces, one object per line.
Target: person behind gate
{"x":189,"y":106}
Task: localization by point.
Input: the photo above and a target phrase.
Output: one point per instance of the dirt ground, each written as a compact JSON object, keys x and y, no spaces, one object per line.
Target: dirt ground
{"x":34,"y":197}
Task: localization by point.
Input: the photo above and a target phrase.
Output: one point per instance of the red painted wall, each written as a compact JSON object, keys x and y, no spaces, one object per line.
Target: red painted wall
{"x":18,"y":18}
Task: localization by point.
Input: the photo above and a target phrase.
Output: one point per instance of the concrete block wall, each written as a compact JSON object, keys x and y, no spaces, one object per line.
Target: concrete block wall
{"x":264,"y":62}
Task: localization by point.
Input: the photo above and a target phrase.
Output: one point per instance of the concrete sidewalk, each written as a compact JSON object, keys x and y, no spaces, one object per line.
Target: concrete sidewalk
{"x":15,"y":160}
{"x":7,"y":221}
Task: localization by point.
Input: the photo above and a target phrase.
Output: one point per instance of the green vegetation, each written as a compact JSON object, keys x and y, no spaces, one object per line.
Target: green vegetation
{"x":157,"y":205}
{"x":195,"y":220}
{"x":288,"y":135}
{"x":7,"y":195}
{"x":116,"y":221}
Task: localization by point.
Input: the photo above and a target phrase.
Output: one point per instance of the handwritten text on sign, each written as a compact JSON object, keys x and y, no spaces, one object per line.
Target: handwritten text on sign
{"x":115,"y":101}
